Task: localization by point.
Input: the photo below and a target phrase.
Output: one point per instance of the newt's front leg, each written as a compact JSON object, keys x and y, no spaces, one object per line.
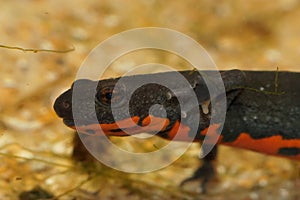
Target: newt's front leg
{"x":205,"y":172}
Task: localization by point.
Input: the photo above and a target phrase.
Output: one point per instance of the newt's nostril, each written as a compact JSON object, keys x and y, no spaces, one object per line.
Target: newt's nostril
{"x":66,"y":104}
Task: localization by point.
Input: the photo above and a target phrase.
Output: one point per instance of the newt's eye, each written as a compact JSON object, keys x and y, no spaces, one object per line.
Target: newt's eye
{"x":109,"y":96}
{"x":104,"y":96}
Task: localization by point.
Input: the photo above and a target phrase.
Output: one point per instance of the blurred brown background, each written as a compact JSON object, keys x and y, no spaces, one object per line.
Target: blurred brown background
{"x":255,"y":35}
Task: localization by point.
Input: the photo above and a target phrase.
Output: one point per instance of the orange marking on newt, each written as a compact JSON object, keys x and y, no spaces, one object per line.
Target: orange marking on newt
{"x":155,"y":123}
{"x":122,"y":123}
{"x":149,"y":124}
{"x":211,"y":134}
{"x":100,"y":129}
{"x":269,"y":145}
{"x":179,"y":132}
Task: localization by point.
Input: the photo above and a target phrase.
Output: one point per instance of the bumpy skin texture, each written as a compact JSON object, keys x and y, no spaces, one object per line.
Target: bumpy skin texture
{"x":256,"y":119}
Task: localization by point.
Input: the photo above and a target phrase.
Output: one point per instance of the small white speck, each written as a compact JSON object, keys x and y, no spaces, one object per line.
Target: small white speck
{"x":50,"y":181}
{"x":245,"y":118}
{"x":205,"y":107}
{"x":261,"y":88}
{"x":169,"y":95}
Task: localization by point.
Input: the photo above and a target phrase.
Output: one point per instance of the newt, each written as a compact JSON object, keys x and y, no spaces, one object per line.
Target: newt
{"x":263,"y":111}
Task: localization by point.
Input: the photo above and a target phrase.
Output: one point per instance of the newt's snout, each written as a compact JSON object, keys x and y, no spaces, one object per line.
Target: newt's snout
{"x":63,"y":106}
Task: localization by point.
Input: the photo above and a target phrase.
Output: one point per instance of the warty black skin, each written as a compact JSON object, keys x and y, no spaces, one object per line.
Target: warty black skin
{"x":163,"y":89}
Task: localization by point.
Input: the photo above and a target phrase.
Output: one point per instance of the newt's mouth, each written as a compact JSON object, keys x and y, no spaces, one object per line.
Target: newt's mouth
{"x":69,"y":122}
{"x":123,"y":127}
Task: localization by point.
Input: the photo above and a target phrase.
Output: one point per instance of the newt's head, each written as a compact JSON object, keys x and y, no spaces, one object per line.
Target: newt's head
{"x":107,"y":103}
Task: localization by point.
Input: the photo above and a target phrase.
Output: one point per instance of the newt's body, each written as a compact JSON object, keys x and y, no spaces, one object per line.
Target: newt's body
{"x":266,"y":122}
